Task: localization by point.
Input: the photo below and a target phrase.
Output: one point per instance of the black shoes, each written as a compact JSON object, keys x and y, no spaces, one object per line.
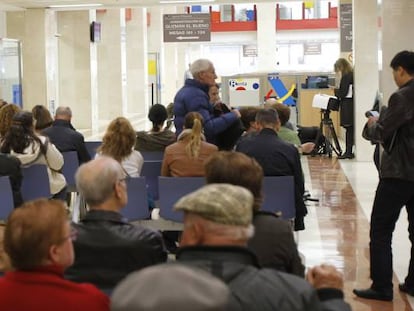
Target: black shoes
{"x":346,"y":156}
{"x":405,"y":289}
{"x":373,"y":294}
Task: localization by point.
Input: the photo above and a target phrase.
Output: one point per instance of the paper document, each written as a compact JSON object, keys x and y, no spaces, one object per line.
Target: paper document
{"x":321,"y":101}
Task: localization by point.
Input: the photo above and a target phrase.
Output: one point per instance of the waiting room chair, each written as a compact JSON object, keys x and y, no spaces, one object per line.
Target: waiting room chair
{"x":6,"y":197}
{"x":279,"y":195}
{"x":70,"y":166}
{"x":137,"y":207}
{"x":151,"y":170}
{"x":91,"y":146}
{"x":35,"y":183}
{"x":152,"y":155}
{"x":171,"y":189}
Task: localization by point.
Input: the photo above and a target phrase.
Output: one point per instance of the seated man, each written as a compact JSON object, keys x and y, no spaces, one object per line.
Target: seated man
{"x":38,"y":241}
{"x":276,"y":157}
{"x":64,"y":136}
{"x":217,"y":226}
{"x":10,"y":166}
{"x":108,"y":247}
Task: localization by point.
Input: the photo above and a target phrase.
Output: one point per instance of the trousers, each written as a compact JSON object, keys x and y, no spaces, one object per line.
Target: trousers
{"x":391,"y":195}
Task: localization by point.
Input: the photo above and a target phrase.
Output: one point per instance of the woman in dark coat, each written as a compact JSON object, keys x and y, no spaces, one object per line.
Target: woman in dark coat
{"x":345,"y":94}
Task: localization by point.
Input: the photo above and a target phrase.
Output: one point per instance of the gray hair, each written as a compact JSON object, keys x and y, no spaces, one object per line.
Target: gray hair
{"x":200,"y":65}
{"x":63,"y":111}
{"x":95,"y":179}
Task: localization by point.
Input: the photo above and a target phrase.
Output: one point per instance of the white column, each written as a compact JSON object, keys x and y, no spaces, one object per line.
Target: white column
{"x":266,"y":36}
{"x":366,"y":76}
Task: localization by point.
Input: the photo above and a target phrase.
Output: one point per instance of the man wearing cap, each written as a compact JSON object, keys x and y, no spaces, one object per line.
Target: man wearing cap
{"x":217,"y":226}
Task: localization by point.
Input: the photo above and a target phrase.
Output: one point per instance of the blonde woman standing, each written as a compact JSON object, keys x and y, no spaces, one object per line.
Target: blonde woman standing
{"x":186,"y":157}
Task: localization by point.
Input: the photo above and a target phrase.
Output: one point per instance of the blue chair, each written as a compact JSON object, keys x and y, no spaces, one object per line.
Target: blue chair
{"x":171,"y":190}
{"x":279,"y":195}
{"x":152,"y":155}
{"x":91,"y":146}
{"x":137,"y":207}
{"x":70,"y":166}
{"x":35,"y":183}
{"x":151,"y":170}
{"x":6,"y":197}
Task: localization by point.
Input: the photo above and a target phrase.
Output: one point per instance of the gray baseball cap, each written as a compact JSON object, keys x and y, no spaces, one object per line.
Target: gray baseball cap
{"x":221,"y":203}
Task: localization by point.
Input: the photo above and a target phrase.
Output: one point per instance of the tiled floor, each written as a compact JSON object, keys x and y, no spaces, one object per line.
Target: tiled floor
{"x":337,"y":227}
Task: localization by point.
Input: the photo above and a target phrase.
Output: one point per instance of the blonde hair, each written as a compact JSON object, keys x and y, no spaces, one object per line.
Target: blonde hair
{"x":118,"y":140}
{"x":343,"y":66}
{"x":194,"y":121}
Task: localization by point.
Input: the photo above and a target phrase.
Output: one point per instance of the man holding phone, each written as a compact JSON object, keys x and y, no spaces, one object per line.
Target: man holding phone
{"x":394,"y":130}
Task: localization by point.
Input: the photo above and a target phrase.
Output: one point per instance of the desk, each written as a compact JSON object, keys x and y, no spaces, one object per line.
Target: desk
{"x":309,"y":116}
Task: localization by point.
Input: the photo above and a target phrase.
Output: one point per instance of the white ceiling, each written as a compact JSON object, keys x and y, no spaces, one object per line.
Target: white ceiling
{"x":9,"y":5}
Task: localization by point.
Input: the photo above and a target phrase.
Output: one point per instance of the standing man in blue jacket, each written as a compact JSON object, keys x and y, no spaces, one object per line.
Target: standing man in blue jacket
{"x":193,"y":96}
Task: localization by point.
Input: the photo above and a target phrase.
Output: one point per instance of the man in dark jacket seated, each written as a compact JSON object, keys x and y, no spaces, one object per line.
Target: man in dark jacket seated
{"x":64,"y":136}
{"x":217,"y":226}
{"x":10,"y":166}
{"x":276,"y":157}
{"x":108,"y":247}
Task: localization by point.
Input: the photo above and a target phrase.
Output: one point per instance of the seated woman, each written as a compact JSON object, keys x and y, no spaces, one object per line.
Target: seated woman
{"x":30,"y":148}
{"x":186,"y":156}
{"x":42,"y":117}
{"x":273,"y":241}
{"x":118,"y":143}
{"x":158,"y":137}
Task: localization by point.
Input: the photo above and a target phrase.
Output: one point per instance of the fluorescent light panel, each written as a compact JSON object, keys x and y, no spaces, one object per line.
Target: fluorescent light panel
{"x":63,"y":6}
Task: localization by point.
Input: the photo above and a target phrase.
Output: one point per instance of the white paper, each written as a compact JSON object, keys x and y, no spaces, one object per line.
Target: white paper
{"x":321,"y":101}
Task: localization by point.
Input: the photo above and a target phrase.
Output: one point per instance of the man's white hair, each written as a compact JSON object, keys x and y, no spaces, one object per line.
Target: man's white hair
{"x":200,"y":65}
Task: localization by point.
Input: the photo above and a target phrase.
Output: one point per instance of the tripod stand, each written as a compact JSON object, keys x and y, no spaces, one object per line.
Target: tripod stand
{"x":331,"y":142}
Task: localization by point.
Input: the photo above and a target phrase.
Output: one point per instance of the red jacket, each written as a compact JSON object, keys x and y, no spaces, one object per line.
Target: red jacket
{"x":46,"y":289}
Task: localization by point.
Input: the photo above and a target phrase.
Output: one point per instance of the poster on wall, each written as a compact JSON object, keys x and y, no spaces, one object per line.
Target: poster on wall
{"x":346,"y":27}
{"x":244,"y":92}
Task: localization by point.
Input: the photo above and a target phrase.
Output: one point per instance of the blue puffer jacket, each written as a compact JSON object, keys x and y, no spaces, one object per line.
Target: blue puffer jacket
{"x":193,"y":96}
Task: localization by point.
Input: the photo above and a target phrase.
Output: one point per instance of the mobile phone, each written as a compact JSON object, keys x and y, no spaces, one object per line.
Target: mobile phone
{"x":372,"y":113}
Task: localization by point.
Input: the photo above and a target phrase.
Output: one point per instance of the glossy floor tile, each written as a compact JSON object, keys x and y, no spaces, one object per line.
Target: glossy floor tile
{"x":337,"y":227}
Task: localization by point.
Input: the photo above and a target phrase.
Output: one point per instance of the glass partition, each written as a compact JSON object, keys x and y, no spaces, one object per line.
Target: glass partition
{"x":11,"y":71}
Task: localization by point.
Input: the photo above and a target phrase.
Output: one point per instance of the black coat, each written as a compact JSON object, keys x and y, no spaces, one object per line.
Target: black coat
{"x":278,"y":158}
{"x":10,"y":166}
{"x":346,"y":107}
{"x":254,"y":289}
{"x":108,"y":248}
{"x":66,"y":138}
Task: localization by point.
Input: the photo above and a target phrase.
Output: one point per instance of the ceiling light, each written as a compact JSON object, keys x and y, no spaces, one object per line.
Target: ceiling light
{"x":68,"y":6}
{"x":184,"y":1}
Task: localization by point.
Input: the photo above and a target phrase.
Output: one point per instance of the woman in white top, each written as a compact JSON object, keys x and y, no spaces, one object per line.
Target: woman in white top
{"x":118,"y":143}
{"x":30,"y":148}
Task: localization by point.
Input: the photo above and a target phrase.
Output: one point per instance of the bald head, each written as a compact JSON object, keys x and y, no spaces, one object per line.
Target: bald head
{"x":270,"y":101}
{"x":96,"y":180}
{"x":63,"y":113}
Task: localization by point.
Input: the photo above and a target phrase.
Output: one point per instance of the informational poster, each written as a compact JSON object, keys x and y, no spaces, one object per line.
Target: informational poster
{"x":244,"y":92}
{"x":346,"y":27}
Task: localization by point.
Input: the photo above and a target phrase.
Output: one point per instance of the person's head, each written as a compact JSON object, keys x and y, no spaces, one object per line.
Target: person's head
{"x":403,"y":67}
{"x":269,"y":102}
{"x":63,"y":113}
{"x":283,"y":112}
{"x":236,"y":168}
{"x":217,"y":214}
{"x":248,"y":118}
{"x":194,"y":121}
{"x":21,"y":134}
{"x":157,"y":115}
{"x":342,"y":66}
{"x":2,"y":103}
{"x":119,"y":139}
{"x":37,"y":234}
{"x":214,"y":94}
{"x":7,"y":113}
{"x":267,"y":118}
{"x":178,"y":288}
{"x":102,"y":183}
{"x":42,"y":117}
{"x":203,"y":71}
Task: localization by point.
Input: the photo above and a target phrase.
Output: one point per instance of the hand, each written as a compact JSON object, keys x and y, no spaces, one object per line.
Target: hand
{"x":236,"y":112}
{"x":371,"y":121}
{"x":325,"y":276}
{"x":307,"y":147}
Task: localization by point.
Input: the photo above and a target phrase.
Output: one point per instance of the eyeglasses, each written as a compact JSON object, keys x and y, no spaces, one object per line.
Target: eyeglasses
{"x":72,"y":236}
